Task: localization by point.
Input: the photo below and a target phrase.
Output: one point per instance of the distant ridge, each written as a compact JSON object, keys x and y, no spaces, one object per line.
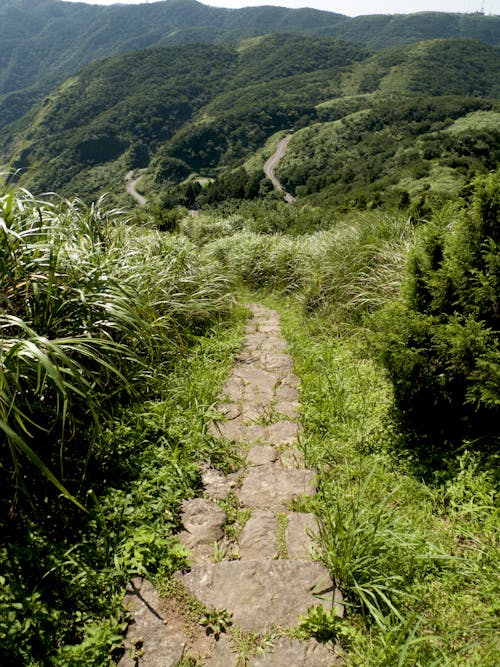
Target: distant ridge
{"x":179,"y":110}
{"x":43,"y":41}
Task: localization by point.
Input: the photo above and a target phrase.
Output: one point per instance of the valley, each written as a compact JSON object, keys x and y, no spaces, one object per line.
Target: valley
{"x":249,"y":337}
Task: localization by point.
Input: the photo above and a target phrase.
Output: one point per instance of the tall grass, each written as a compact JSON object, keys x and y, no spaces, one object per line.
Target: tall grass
{"x":349,"y":269}
{"x":92,"y":311}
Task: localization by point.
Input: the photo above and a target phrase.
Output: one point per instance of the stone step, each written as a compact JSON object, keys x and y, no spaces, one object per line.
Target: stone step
{"x":284,"y":432}
{"x":202,"y":520}
{"x":260,"y":455}
{"x":272,"y":487}
{"x":153,"y":639}
{"x":261,"y":594}
{"x":259,"y":538}
{"x":294,"y":653}
{"x":278,"y":652}
{"x":299,"y":535}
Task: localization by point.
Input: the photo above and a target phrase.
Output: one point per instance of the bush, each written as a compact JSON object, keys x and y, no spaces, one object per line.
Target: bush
{"x":91,"y":308}
{"x":440,"y":343}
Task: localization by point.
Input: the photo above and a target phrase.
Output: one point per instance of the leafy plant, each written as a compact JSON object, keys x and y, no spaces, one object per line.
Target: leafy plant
{"x":216,"y":622}
{"x":319,"y":623}
{"x":440,"y":342}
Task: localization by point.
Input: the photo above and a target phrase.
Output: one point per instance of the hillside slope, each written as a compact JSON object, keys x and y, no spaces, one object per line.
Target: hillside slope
{"x":44,"y":41}
{"x":191,"y":109}
{"x":199,"y":104}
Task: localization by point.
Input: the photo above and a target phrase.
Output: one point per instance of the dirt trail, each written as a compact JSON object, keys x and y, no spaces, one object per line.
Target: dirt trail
{"x":257,"y":585}
{"x":130,"y":186}
{"x":273,"y":162}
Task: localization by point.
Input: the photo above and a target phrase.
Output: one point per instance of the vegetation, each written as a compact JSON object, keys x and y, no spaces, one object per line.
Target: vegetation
{"x":440,"y":345}
{"x":409,"y":522}
{"x":117,"y":328}
{"x":103,"y":325}
{"x":58,"y":38}
{"x":369,"y":129}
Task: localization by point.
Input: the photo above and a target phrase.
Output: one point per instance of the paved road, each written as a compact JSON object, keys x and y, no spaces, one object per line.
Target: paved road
{"x":130,"y":183}
{"x":272,"y":163}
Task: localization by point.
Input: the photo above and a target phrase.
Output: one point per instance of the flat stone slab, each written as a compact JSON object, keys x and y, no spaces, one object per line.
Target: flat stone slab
{"x":259,"y":537}
{"x":276,"y":361}
{"x":256,"y":341}
{"x":292,"y":458}
{"x":294,"y":653}
{"x":151,"y":640}
{"x":298,"y":535}
{"x":283,"y":432}
{"x":260,"y":594}
{"x":257,"y":377}
{"x":260,"y":455}
{"x":216,"y":484}
{"x":289,"y":409}
{"x":229,"y":410}
{"x":224,"y":655}
{"x":235,"y":431}
{"x":203,"y":519}
{"x":268,"y":486}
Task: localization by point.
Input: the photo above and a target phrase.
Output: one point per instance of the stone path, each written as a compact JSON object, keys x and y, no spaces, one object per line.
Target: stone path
{"x":254,"y":586}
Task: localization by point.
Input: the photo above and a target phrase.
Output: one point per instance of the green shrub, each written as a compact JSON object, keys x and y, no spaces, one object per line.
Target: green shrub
{"x":91,"y":309}
{"x":440,"y":344}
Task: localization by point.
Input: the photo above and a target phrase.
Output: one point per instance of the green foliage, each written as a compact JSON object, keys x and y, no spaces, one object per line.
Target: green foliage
{"x":388,"y":144}
{"x":64,"y":573}
{"x":418,"y":562}
{"x":80,"y":326}
{"x":99,"y":320}
{"x":348,"y":269}
{"x":440,"y":344}
{"x":37,"y":56}
{"x":216,"y":622}
{"x":321,"y":624}
{"x":371,"y":551}
{"x":206,"y":109}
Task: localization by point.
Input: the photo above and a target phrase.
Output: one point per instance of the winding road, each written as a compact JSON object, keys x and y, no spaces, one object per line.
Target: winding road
{"x":130,"y":183}
{"x":272,"y":163}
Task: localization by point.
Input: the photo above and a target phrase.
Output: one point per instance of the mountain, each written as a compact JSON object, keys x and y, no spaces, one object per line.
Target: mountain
{"x":176,"y":111}
{"x":44,"y":41}
{"x":202,"y":104}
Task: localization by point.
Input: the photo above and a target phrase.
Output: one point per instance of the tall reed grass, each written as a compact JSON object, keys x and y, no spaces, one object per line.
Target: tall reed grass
{"x":350,"y":269}
{"x":92,"y":310}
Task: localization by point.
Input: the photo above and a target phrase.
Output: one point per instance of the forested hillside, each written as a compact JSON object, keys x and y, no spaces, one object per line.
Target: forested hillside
{"x":44,"y":41}
{"x":121,"y":318}
{"x":368,"y":127}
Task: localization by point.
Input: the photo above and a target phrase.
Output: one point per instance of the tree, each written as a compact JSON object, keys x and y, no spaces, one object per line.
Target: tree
{"x":440,"y":343}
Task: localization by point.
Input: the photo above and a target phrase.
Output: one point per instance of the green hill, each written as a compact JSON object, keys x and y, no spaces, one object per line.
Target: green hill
{"x":45,"y":41}
{"x":364,"y":123}
{"x":199,"y":104}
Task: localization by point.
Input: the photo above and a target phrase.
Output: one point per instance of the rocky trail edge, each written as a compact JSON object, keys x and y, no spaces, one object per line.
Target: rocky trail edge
{"x":255,"y":587}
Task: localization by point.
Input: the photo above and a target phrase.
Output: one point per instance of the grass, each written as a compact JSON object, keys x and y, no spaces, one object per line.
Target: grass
{"x":416,"y":562}
{"x":115,"y":342}
{"x":349,"y":269}
{"x":91,"y":309}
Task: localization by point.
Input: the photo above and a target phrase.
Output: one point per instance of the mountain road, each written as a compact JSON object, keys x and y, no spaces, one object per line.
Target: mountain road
{"x":273,"y":162}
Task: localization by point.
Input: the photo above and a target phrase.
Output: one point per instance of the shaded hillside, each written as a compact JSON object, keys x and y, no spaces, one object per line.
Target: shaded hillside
{"x":382,"y":31}
{"x":173,"y":102}
{"x":370,"y":121}
{"x":397,"y":149}
{"x":395,"y":130}
{"x":44,"y":41}
{"x":436,"y":67}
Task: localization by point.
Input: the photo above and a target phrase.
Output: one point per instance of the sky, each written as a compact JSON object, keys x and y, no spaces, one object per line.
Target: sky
{"x":354,"y":7}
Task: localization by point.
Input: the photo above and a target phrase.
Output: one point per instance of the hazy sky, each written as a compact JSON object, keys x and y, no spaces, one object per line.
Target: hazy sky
{"x":355,"y":7}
